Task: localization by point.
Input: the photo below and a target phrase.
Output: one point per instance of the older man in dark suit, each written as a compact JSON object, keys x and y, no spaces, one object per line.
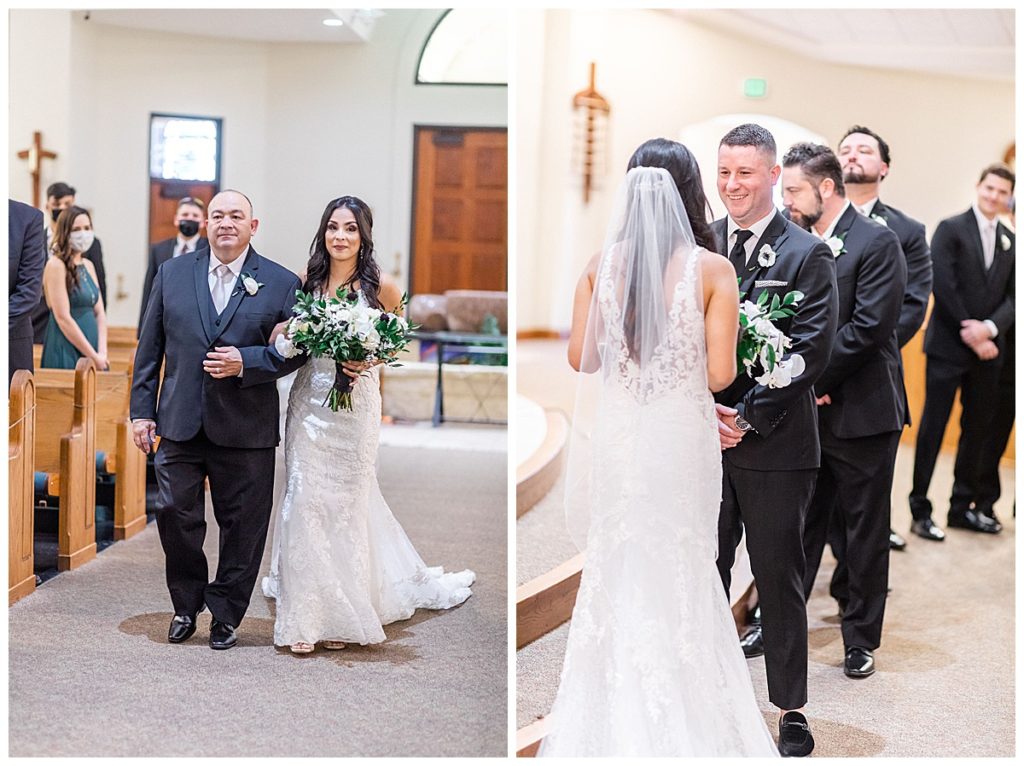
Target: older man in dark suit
{"x":861,"y":399}
{"x":26,"y":257}
{"x":973,"y":258}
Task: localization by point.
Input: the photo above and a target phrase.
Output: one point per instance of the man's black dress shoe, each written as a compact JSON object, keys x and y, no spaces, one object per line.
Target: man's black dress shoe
{"x":859,"y":663}
{"x":989,"y":514}
{"x":182,"y":628}
{"x":795,"y":740}
{"x":972,"y":520}
{"x":222,"y":635}
{"x":752,"y":642}
{"x":896,"y":541}
{"x":926,"y":528}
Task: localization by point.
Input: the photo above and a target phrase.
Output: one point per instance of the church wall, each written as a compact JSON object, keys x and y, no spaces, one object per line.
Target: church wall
{"x":661,"y":74}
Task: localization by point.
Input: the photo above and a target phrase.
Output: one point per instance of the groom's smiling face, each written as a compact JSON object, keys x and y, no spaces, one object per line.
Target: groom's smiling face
{"x":746,"y":175}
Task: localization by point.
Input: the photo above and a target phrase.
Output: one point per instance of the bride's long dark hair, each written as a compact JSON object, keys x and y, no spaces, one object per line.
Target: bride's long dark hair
{"x":681,"y":165}
{"x":367,"y":272}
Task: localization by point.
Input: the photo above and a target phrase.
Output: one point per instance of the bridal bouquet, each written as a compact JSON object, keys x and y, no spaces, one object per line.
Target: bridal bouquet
{"x":762,"y":343}
{"x":344,"y":329}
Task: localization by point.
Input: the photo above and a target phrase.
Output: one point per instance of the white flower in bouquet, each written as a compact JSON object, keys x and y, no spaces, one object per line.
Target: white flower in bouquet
{"x":285,"y":347}
{"x":372,"y":340}
{"x":782,"y":374}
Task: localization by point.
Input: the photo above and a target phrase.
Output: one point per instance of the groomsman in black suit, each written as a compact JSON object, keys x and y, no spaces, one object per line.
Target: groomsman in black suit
{"x":189,"y":220}
{"x":965,"y":344}
{"x":26,"y":257}
{"x":861,"y":399}
{"x":770,"y":435}
{"x":865,"y":158}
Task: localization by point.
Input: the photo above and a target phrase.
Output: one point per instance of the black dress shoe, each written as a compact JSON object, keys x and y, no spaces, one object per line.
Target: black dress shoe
{"x":182,"y":628}
{"x":972,"y":520}
{"x":222,"y":635}
{"x":896,"y":541}
{"x":989,"y":514}
{"x":859,"y":663}
{"x":926,"y":528}
{"x":795,"y":740}
{"x":752,"y":642}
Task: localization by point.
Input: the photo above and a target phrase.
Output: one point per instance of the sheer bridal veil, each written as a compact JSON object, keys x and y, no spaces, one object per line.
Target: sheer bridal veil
{"x":643,"y":348}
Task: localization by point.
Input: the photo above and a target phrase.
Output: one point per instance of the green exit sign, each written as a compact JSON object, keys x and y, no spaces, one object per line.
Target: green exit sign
{"x":755,"y":87}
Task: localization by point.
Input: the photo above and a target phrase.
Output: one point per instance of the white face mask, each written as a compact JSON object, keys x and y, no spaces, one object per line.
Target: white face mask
{"x":81,"y":240}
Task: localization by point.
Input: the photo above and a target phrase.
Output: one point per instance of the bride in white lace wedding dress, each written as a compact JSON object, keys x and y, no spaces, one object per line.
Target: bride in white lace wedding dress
{"x":342,"y":566}
{"x":653,"y":666}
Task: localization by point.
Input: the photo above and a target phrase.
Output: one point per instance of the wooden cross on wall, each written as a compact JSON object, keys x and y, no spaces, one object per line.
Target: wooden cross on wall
{"x":35,"y":155}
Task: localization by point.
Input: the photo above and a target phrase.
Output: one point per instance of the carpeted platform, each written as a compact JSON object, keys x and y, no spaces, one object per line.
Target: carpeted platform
{"x":91,"y":672}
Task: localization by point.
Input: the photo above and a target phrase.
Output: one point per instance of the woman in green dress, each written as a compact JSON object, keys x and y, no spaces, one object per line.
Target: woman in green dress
{"x":78,"y":324}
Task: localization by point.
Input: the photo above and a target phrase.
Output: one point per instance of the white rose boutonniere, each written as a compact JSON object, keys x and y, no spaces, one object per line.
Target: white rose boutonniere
{"x":836,"y":245}
{"x":878,"y":219}
{"x":250,"y":284}
{"x":1004,"y":241}
{"x":766,"y":256}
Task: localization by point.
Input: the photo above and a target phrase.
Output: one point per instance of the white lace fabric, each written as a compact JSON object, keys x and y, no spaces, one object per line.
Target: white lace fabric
{"x":342,"y":566}
{"x":653,"y":666}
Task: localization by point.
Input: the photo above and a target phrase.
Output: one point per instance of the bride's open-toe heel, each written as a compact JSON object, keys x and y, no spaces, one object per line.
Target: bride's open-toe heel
{"x":301,"y":647}
{"x":333,"y":644}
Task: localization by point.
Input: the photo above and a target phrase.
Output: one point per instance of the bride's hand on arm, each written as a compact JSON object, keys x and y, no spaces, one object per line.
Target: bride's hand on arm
{"x":580,"y":311}
{"x":278,"y":330}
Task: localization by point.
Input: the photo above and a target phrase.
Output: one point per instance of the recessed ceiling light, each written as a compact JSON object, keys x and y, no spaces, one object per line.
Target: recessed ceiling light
{"x":333,"y":22}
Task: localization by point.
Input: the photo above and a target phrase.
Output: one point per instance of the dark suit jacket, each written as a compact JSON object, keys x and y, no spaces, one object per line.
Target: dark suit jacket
{"x":965,"y":290}
{"x":158,"y":253}
{"x":41,"y":312}
{"x":181,"y":326}
{"x":919,"y":268}
{"x":785,"y":419}
{"x":864,"y":376}
{"x":26,"y":257}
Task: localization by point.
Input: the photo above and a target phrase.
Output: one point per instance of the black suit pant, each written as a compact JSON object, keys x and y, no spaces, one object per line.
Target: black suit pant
{"x":988,"y":488}
{"x":241,"y":488}
{"x":19,"y":348}
{"x":851,"y":508}
{"x":771,"y":506}
{"x":978,"y":383}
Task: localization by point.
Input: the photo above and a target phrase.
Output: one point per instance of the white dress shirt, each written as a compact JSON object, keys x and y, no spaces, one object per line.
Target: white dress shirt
{"x":757,"y":229}
{"x":827,"y":235}
{"x":183,"y":246}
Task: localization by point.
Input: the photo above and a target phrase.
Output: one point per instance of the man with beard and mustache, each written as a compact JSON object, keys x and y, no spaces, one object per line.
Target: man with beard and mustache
{"x":865,"y":158}
{"x":861,"y":400}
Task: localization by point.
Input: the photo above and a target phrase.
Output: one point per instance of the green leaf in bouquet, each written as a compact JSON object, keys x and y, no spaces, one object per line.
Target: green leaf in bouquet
{"x":762,"y":299}
{"x":770,"y":354}
{"x":775,"y":304}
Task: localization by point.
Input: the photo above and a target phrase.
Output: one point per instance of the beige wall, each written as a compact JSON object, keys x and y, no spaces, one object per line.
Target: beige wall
{"x":302,"y":124}
{"x":662,"y":74}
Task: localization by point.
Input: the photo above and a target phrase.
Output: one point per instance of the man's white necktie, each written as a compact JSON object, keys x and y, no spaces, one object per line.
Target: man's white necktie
{"x":222,"y":287}
{"x":990,"y":245}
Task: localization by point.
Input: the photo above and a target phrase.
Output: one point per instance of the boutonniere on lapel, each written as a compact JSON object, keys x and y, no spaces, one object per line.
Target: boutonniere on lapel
{"x":837,"y":244}
{"x":879,"y":219}
{"x":766,"y":257}
{"x":249,"y":283}
{"x":1004,"y":242}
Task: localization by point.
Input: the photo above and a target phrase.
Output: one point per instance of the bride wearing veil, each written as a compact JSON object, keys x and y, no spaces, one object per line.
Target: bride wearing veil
{"x":652,"y":666}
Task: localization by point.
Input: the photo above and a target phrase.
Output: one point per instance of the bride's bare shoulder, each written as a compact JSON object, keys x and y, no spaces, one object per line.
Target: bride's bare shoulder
{"x":715,"y":268}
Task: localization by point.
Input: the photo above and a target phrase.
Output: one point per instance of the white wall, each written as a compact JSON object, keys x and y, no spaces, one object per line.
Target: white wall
{"x":302,"y":124}
{"x":662,"y":74}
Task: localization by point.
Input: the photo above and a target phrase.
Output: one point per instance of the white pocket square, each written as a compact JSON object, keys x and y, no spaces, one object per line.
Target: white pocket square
{"x":769,"y":283}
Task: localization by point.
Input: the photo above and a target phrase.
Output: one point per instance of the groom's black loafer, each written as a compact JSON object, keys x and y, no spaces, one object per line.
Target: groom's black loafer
{"x":222,"y":635}
{"x":795,"y":740}
{"x":859,"y":663}
{"x":926,"y":528}
{"x":896,"y":541}
{"x":182,"y":628}
{"x":752,"y":642}
{"x":976,"y":522}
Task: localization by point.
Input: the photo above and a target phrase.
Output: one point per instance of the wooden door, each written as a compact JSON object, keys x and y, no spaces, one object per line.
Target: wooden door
{"x":460,"y":210}
{"x":163,"y":204}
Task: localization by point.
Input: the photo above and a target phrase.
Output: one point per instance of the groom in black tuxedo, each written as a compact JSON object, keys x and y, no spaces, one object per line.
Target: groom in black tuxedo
{"x":208,"y":323}
{"x":861,"y":399}
{"x":770,"y":435}
{"x":965,"y":344}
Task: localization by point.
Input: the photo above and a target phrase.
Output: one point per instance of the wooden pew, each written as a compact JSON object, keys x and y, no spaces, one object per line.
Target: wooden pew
{"x":121,"y":358}
{"x":65,"y":446}
{"x":21,"y":422}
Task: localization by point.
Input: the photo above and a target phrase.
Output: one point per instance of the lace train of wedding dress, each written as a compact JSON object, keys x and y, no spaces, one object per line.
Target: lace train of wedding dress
{"x":653,"y":665}
{"x":342,"y":566}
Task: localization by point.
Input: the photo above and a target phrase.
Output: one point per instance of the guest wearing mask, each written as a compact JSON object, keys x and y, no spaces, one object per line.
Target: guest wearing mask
{"x":77,"y":325}
{"x":190,"y":219}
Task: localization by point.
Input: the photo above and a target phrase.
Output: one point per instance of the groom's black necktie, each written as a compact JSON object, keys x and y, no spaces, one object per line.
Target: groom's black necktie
{"x":738,"y":254}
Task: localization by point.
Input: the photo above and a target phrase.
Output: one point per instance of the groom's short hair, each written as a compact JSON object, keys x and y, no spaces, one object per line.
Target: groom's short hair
{"x":751,"y":134}
{"x":817,"y":162}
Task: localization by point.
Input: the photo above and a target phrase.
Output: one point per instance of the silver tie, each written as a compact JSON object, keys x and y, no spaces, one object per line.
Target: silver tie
{"x":222,"y":287}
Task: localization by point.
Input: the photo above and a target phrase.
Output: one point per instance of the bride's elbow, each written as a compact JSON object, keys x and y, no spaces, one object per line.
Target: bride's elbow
{"x":720,"y":379}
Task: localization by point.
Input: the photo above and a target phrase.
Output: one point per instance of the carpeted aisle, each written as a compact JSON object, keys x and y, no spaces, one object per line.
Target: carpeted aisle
{"x":91,"y":672}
